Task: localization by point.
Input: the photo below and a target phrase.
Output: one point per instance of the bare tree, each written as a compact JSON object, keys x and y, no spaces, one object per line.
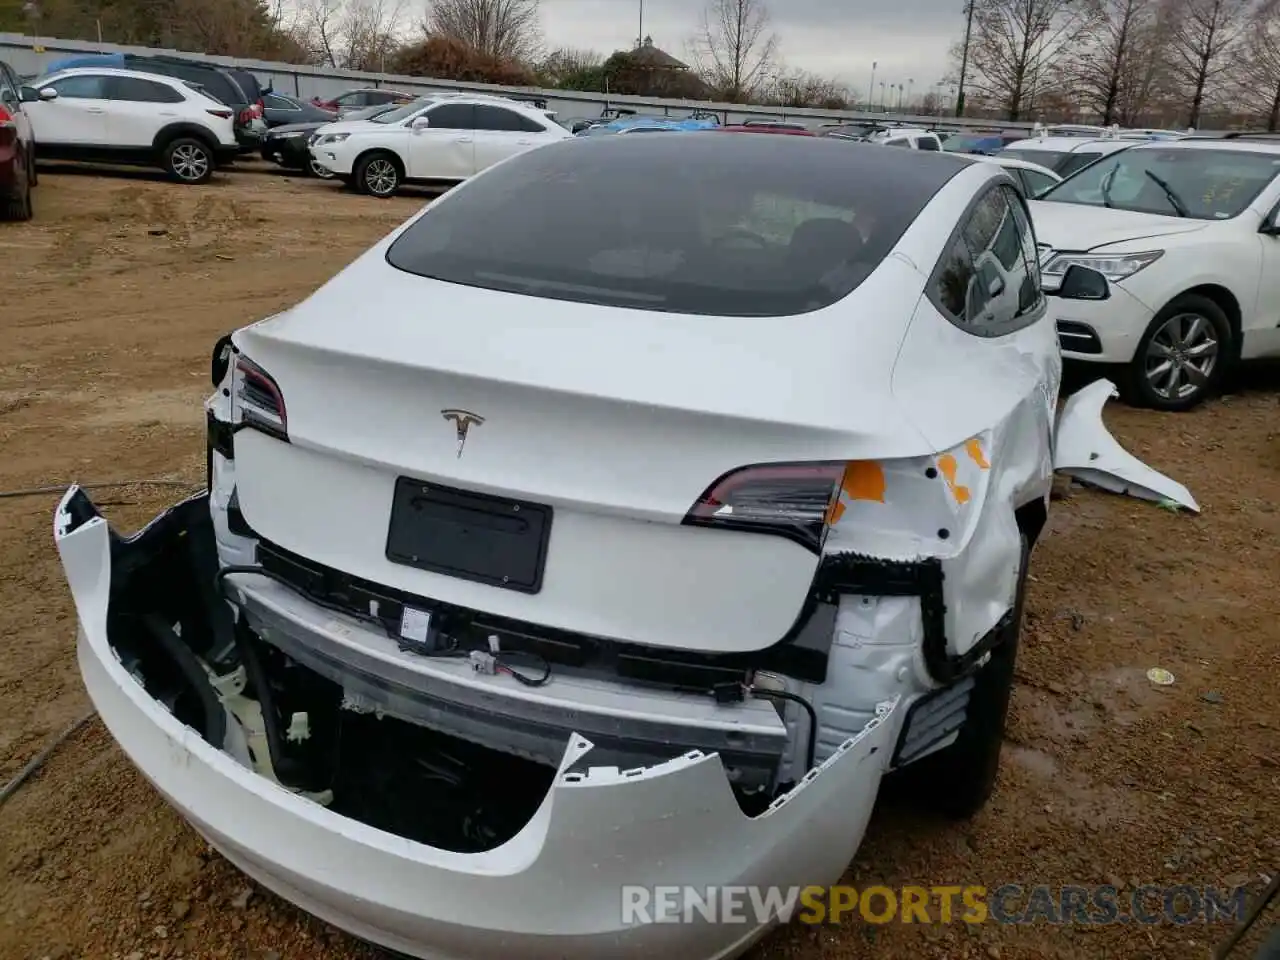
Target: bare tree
{"x":1114,"y":68}
{"x":355,"y":34}
{"x":506,"y":29}
{"x":1258,"y":78}
{"x":1205,"y":36}
{"x":735,"y":49}
{"x":1018,"y":48}
{"x":810,"y":90}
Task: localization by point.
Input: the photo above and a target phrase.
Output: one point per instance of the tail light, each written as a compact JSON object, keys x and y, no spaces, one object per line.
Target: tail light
{"x":5,"y":116}
{"x":257,"y":397}
{"x":223,"y":114}
{"x":792,"y":500}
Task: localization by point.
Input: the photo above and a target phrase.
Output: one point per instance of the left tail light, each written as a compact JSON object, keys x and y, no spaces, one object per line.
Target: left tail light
{"x":791,"y":500}
{"x":257,"y":402}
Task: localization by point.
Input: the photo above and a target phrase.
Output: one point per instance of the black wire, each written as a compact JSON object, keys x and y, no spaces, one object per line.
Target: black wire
{"x":808,"y":708}
{"x":1238,"y":934}
{"x":527,"y":681}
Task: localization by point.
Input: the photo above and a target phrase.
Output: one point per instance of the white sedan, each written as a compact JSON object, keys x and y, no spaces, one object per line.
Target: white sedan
{"x":1187,"y":233}
{"x":1032,"y":177}
{"x":642,"y":529}
{"x":440,"y":140}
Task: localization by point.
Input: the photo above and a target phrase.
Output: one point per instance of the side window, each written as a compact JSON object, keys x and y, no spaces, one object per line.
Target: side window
{"x":82,"y":87}
{"x":280,"y":103}
{"x":1075,"y":161}
{"x":375,"y":97}
{"x":8,"y":85}
{"x":499,"y":118}
{"x":929,"y":143}
{"x":353,"y":100}
{"x":988,"y":280}
{"x":452,"y":116}
{"x":136,"y":90}
{"x":897,"y":143}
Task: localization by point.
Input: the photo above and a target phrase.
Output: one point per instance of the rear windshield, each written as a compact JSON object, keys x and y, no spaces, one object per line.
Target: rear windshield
{"x":751,"y":226}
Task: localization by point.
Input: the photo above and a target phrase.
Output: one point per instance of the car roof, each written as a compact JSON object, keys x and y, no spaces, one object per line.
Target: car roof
{"x":166,"y":79}
{"x":1070,"y":144}
{"x":1235,"y":146}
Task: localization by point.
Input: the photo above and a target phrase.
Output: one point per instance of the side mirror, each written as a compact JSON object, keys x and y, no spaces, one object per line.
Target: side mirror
{"x":996,"y":287}
{"x":1271,"y":225}
{"x":1082,"y":283}
{"x":48,"y":93}
{"x":420,"y":123}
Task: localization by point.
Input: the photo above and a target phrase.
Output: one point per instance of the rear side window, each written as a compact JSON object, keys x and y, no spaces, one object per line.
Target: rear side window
{"x":1072,"y":162}
{"x":929,"y":143}
{"x":988,"y":281}
{"x":499,"y":118}
{"x":1035,"y":182}
{"x":768,"y":228}
{"x":276,"y":102}
{"x":379,"y":96}
{"x":137,"y":90}
{"x":897,"y":143}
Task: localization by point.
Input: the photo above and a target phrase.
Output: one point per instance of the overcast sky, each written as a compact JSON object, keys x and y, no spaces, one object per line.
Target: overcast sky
{"x":908,"y":39}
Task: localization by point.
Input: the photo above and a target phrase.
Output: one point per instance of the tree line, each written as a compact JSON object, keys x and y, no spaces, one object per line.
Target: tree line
{"x":1157,"y":63}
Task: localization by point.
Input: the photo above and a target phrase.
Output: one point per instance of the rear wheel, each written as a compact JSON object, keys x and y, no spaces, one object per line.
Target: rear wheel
{"x":18,"y":207}
{"x":378,"y":175}
{"x":958,"y":780}
{"x":188,"y":160}
{"x":1181,"y":359}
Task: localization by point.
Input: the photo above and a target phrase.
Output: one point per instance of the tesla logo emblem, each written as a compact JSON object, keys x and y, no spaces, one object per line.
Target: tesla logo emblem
{"x":463,"y":420}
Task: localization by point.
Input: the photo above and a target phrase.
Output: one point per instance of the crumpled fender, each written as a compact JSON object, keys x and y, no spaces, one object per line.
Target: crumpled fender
{"x":1083,"y":448}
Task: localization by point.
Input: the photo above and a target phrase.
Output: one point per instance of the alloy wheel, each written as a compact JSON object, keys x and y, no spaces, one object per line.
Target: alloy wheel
{"x":190,"y":162}
{"x":1181,"y":356}
{"x":380,"y":177}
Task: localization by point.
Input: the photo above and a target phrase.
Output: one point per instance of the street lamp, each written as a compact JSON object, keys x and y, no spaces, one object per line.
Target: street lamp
{"x":882,"y":101}
{"x":911,"y":82}
{"x":871,"y":90}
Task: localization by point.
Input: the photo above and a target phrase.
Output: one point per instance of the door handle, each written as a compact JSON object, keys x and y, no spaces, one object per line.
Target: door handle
{"x":96,"y":110}
{"x":464,"y":139}
{"x":524,"y":143}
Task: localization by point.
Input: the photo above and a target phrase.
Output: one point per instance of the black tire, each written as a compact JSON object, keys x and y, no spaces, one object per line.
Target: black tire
{"x":18,"y":208}
{"x":31,"y":167}
{"x":378,"y":174}
{"x":1270,"y":948}
{"x":958,"y":780}
{"x":1187,"y":324}
{"x":188,"y":160}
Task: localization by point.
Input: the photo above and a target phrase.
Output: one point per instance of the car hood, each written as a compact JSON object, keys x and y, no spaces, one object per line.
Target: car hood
{"x":1076,"y":226}
{"x":355,"y":126}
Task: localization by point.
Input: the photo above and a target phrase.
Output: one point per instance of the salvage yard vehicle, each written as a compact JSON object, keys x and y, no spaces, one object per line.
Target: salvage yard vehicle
{"x":127,"y":116}
{"x":1064,"y":155}
{"x":1188,"y":233}
{"x":576,"y":566}
{"x":17,"y":149}
{"x":440,"y":140}
{"x":289,"y":145}
{"x":1033,"y":178}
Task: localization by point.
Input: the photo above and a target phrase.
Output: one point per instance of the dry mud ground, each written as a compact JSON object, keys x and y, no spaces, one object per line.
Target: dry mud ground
{"x":112,"y":299}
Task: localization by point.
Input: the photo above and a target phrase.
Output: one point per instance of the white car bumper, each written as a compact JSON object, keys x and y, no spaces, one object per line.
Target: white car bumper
{"x":555,"y":890}
{"x":338,"y":157}
{"x":1103,"y":331}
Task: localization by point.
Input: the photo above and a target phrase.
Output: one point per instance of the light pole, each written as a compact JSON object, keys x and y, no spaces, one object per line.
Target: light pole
{"x":882,"y":103}
{"x":871,"y":90}
{"x":899,"y":108}
{"x":640,"y":35}
{"x":911,"y":82}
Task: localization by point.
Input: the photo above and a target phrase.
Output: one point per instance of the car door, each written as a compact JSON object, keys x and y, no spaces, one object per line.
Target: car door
{"x":138,"y":109}
{"x":11,"y":102}
{"x":445,"y":149}
{"x":502,"y":133}
{"x":76,"y":117}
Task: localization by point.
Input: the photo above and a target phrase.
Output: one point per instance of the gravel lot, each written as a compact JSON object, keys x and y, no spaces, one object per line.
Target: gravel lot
{"x":113,"y":297}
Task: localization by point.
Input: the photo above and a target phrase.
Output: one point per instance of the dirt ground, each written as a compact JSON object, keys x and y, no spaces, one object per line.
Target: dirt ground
{"x":112,"y":299}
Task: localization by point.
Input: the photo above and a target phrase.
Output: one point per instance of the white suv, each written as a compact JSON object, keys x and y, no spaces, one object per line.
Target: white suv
{"x":1187,"y":233}
{"x":439,"y":139}
{"x":125,"y":116}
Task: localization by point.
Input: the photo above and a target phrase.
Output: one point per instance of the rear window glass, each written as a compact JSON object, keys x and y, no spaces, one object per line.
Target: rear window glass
{"x":754,"y":226}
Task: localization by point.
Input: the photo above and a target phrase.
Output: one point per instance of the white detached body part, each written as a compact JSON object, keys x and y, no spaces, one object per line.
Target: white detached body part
{"x":519,"y":585}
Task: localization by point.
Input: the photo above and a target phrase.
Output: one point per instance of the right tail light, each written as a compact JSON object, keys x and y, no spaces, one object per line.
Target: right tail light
{"x":257,"y":399}
{"x":792,"y":500}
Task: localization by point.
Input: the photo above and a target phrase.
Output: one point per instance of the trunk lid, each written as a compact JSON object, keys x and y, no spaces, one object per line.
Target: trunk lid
{"x":618,"y":420}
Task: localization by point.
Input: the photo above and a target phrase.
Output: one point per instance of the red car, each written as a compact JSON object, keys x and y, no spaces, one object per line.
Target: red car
{"x":17,"y":150}
{"x":767,"y":128}
{"x":359,"y":99}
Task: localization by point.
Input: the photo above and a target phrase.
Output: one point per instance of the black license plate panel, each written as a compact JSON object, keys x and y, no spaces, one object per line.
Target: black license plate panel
{"x":471,"y":536}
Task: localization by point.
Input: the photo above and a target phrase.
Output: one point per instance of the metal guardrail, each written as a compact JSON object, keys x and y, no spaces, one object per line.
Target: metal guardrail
{"x":29,"y":55}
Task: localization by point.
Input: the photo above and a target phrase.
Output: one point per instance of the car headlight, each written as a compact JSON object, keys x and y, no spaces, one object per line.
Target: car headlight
{"x":332,"y":138}
{"x":1113,"y":266}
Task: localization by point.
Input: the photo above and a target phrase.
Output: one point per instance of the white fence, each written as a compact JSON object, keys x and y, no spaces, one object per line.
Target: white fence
{"x":29,"y":55}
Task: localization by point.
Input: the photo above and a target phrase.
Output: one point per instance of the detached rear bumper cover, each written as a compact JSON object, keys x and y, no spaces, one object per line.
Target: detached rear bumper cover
{"x":553,"y":891}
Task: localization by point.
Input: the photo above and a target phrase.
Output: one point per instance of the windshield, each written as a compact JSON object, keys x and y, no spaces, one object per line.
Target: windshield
{"x":399,"y":113}
{"x":750,"y":226}
{"x":961,"y":144}
{"x":1199,"y":184}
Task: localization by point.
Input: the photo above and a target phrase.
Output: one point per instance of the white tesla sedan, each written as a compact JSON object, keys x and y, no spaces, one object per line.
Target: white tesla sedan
{"x":629,"y":544}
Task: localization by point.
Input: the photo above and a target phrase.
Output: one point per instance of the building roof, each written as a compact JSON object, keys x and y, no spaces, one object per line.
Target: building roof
{"x":654,"y":58}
